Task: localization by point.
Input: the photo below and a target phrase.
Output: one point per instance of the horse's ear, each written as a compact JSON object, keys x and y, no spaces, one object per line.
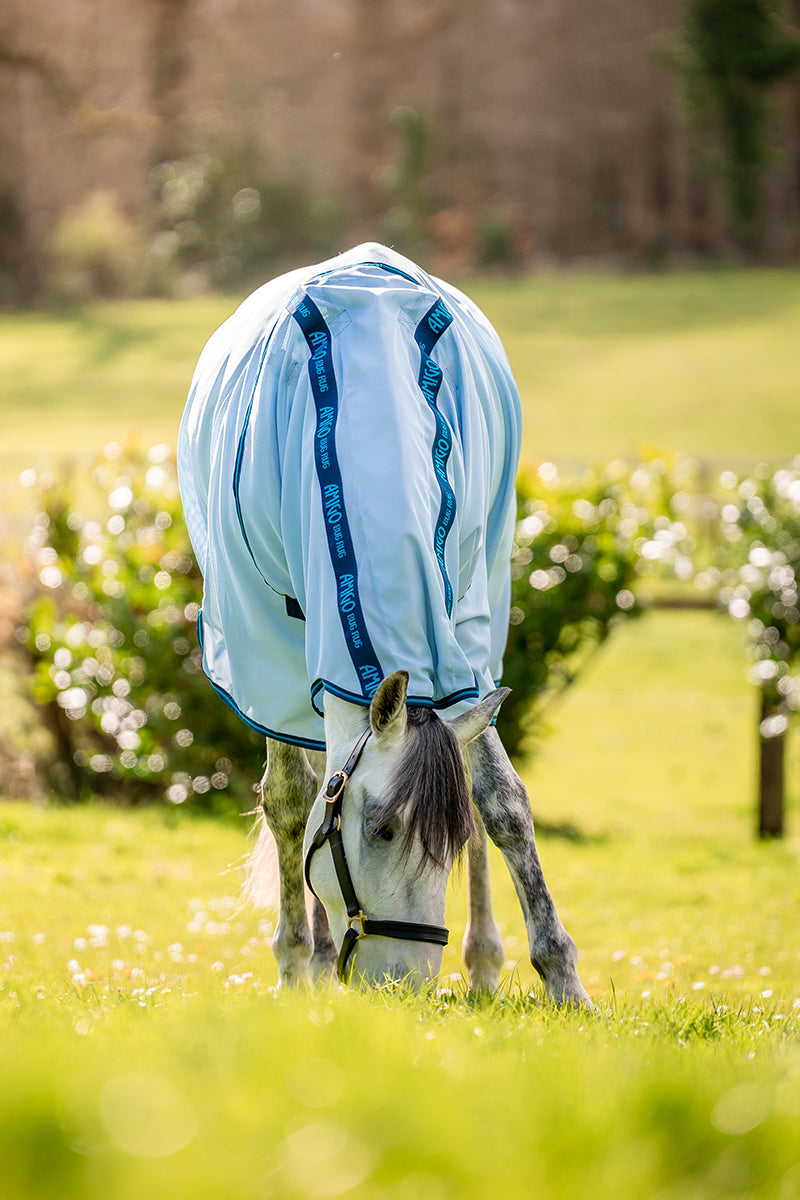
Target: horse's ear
{"x":387,"y":712}
{"x":475,"y":720}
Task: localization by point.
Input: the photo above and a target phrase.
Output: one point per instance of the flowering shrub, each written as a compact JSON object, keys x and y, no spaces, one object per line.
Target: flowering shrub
{"x":111,"y":636}
{"x":94,"y":251}
{"x":227,"y":216}
{"x":579,"y":550}
{"x":111,"y":630}
{"x":760,"y":525}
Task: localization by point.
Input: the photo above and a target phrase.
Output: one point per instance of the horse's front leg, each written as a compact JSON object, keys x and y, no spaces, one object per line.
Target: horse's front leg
{"x":483,"y":945}
{"x":323,"y":962}
{"x":502,"y":801}
{"x":288,"y":790}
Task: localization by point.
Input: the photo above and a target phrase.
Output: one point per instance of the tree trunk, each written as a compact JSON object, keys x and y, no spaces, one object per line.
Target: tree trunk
{"x":372,"y":34}
{"x":65,"y":775}
{"x":770,"y":778}
{"x":170,"y":51}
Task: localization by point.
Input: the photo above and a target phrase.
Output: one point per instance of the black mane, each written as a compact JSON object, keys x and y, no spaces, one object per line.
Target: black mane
{"x":430,"y":784}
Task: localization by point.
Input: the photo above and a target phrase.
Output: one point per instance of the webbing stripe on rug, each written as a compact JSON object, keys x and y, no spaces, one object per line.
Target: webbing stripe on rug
{"x":337,"y":528}
{"x":436,"y":320}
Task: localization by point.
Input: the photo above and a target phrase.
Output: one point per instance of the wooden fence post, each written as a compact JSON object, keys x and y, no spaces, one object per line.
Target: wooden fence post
{"x":770,"y":777}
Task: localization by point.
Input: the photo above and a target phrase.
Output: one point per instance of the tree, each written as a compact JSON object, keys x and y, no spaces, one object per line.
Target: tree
{"x":170,"y":51}
{"x":737,"y":52}
{"x":20,"y":251}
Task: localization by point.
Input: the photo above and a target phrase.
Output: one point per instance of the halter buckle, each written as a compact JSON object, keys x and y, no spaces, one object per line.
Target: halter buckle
{"x":338,"y":781}
{"x":359,"y":919}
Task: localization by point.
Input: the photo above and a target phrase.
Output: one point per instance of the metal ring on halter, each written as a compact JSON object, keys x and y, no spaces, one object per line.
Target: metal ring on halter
{"x":331,"y":831}
{"x":360,"y":917}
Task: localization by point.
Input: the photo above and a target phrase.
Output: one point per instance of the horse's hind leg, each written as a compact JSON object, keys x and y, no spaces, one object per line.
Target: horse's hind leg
{"x":501,"y":799}
{"x":288,"y":790}
{"x":483,"y":945}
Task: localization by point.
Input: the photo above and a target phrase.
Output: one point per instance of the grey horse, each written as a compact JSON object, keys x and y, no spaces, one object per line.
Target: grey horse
{"x":347,"y":460}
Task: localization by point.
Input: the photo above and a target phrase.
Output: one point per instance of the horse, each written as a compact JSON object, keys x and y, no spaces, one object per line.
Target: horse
{"x":347,"y":461}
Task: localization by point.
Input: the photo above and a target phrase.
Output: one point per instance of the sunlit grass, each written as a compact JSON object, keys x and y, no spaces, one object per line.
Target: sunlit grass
{"x":71,"y":383}
{"x":145,"y":1051}
{"x":371,"y":1097}
{"x":704,"y":363}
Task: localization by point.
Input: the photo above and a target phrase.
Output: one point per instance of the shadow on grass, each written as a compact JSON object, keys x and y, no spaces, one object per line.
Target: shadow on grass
{"x":105,"y":337}
{"x":568,"y":832}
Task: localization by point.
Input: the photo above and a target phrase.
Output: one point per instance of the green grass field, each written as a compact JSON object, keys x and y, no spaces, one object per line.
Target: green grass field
{"x":144,"y":1051}
{"x":703,"y":363}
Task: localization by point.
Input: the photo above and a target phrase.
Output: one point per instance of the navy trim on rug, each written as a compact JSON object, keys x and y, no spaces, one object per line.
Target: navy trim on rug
{"x":337,"y":527}
{"x":346,"y":268}
{"x":320,"y":685}
{"x":436,"y":320}
{"x":393,"y":271}
{"x":306,"y":743}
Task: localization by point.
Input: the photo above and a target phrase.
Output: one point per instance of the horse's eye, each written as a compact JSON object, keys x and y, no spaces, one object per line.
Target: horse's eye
{"x":387,"y":833}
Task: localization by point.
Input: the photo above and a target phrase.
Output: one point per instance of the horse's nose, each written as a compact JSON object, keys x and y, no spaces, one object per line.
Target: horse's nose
{"x":400,"y":973}
{"x":387,"y":974}
{"x":411,"y":965}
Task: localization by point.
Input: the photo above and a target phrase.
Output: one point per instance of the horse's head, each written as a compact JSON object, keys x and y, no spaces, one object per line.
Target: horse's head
{"x":405,"y":814}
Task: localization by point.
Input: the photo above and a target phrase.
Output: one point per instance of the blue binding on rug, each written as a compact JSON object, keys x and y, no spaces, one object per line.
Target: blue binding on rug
{"x":347,"y":460}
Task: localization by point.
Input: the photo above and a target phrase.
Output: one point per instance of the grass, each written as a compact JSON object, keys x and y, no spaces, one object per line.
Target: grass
{"x":145,"y":1052}
{"x":74,"y":381}
{"x":704,"y":363}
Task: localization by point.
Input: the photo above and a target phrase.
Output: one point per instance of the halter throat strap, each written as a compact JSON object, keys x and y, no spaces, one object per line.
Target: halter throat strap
{"x":359,"y":925}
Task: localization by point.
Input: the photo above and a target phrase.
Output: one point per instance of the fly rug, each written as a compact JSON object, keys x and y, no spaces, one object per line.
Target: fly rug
{"x":347,"y":460}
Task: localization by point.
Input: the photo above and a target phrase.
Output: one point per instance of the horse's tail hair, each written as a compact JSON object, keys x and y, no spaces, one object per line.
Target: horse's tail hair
{"x":261,"y":887}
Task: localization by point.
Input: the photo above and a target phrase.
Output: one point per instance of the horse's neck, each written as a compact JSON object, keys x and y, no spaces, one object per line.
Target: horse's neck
{"x":344,"y":724}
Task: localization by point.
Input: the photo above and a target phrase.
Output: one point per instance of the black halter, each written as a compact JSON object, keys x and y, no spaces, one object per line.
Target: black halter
{"x":358,"y":924}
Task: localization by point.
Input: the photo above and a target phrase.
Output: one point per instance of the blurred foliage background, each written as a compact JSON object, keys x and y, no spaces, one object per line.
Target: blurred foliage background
{"x":108,"y":626}
{"x":153,"y":149}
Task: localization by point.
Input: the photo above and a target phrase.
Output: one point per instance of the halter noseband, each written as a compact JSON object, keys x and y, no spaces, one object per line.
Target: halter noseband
{"x":358,"y":924}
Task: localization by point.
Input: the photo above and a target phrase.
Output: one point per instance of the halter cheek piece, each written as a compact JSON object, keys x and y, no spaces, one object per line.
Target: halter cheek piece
{"x":358,"y":924}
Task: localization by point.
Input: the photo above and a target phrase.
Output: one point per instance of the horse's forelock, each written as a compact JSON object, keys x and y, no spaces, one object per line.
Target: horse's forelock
{"x":430,"y":783}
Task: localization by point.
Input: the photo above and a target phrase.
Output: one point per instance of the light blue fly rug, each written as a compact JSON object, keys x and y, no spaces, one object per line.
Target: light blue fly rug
{"x":347,"y":462}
